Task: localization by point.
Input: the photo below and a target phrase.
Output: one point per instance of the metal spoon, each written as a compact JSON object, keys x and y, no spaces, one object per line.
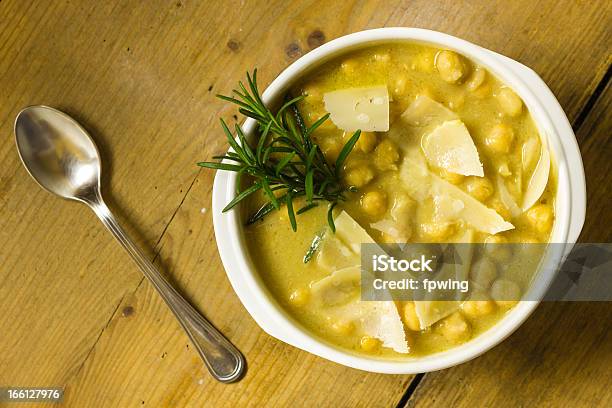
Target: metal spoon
{"x":62,"y":157}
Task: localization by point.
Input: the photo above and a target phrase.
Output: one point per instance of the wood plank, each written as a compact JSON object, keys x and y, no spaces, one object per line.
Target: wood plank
{"x":139,"y":76}
{"x":150,"y":341}
{"x":260,"y":389}
{"x":62,"y":275}
{"x":562,"y":355}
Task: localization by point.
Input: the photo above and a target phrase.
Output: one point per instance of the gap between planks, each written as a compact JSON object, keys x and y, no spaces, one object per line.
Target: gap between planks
{"x":157,"y":249}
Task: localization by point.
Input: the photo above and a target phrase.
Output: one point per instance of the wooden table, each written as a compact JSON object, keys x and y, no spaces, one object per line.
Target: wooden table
{"x":141,"y":76}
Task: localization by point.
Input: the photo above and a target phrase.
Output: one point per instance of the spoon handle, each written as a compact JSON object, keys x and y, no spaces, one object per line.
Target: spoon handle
{"x":223,"y":360}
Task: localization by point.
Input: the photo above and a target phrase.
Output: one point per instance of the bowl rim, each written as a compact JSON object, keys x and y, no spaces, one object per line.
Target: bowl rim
{"x":273,"y":319}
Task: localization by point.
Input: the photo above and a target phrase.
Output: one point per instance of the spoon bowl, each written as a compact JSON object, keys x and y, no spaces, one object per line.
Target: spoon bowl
{"x":58,"y":153}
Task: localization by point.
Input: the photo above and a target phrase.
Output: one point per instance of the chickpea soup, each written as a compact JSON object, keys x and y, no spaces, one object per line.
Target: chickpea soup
{"x":445,"y":153}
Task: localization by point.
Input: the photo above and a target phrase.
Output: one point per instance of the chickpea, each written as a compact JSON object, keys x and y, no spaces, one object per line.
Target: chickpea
{"x":483,"y":91}
{"x":503,"y":169}
{"x":496,"y":248}
{"x":483,"y":272}
{"x":382,"y":57}
{"x":456,"y":102}
{"x":366,"y":141}
{"x":505,"y":293}
{"x":455,"y":328}
{"x":299,"y":297}
{"x":410,"y":317}
{"x":509,"y":102}
{"x":437,"y":231}
{"x":529,"y":247}
{"x":312,"y":92}
{"x":481,"y":307}
{"x":400,"y":84}
{"x":349,"y":66}
{"x":331,"y":152}
{"x":424,"y":62}
{"x":401,"y":234}
{"x":429,"y":92}
{"x":451,"y":66}
{"x":359,"y":176}
{"x":500,"y":208}
{"x":540,"y":217}
{"x":403,"y":206}
{"x":476,"y":79}
{"x":316,"y":114}
{"x":453,"y":178}
{"x":386,"y":155}
{"x":479,"y":187}
{"x":387,"y":238}
{"x":527,"y":239}
{"x":330,"y":146}
{"x":500,"y":138}
{"x":369,"y":343}
{"x":374,"y":203}
{"x":343,"y":327}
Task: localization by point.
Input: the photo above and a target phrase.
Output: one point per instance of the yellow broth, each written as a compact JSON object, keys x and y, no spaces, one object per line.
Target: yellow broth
{"x":485,"y":105}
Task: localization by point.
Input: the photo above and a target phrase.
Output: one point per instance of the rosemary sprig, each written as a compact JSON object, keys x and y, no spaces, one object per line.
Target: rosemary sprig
{"x":285,"y":163}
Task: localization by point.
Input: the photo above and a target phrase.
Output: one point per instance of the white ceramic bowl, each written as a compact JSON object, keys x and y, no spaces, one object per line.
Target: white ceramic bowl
{"x":570,"y":204}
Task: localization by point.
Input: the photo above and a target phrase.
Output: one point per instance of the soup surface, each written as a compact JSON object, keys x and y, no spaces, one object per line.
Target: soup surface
{"x":447,"y":153}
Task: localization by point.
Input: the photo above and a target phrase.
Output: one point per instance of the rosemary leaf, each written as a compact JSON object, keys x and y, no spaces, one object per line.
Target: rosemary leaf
{"x":244,"y":194}
{"x":318,"y":123}
{"x":263,"y":211}
{"x":308,"y":186}
{"x":314,"y":246}
{"x":269,"y":193}
{"x":306,"y":208}
{"x":261,"y":143}
{"x":281,"y":165}
{"x":288,"y":104}
{"x":290,"y":213}
{"x":330,"y":217}
{"x":220,"y":166}
{"x":346,"y":150}
{"x":284,"y":157}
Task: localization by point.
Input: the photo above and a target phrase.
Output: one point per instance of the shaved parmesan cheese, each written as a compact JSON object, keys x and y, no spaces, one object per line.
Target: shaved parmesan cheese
{"x":431,"y":311}
{"x":382,"y":321}
{"x":451,"y":147}
{"x":339,"y":293}
{"x":474,"y":212}
{"x":359,"y":108}
{"x":506,"y":198}
{"x":424,"y":114}
{"x":465,"y":253}
{"x":391,"y":228}
{"x":529,"y":153}
{"x":447,"y":208}
{"x":338,"y":288}
{"x":421,"y":183}
{"x":333,"y":254}
{"x":445,"y":140}
{"x":351,"y":233}
{"x":415,"y":174}
{"x":342,"y":249}
{"x":539,"y":179}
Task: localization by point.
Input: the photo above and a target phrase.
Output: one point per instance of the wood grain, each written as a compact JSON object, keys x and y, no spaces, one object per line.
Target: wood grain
{"x":141,"y":77}
{"x":562,"y":355}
